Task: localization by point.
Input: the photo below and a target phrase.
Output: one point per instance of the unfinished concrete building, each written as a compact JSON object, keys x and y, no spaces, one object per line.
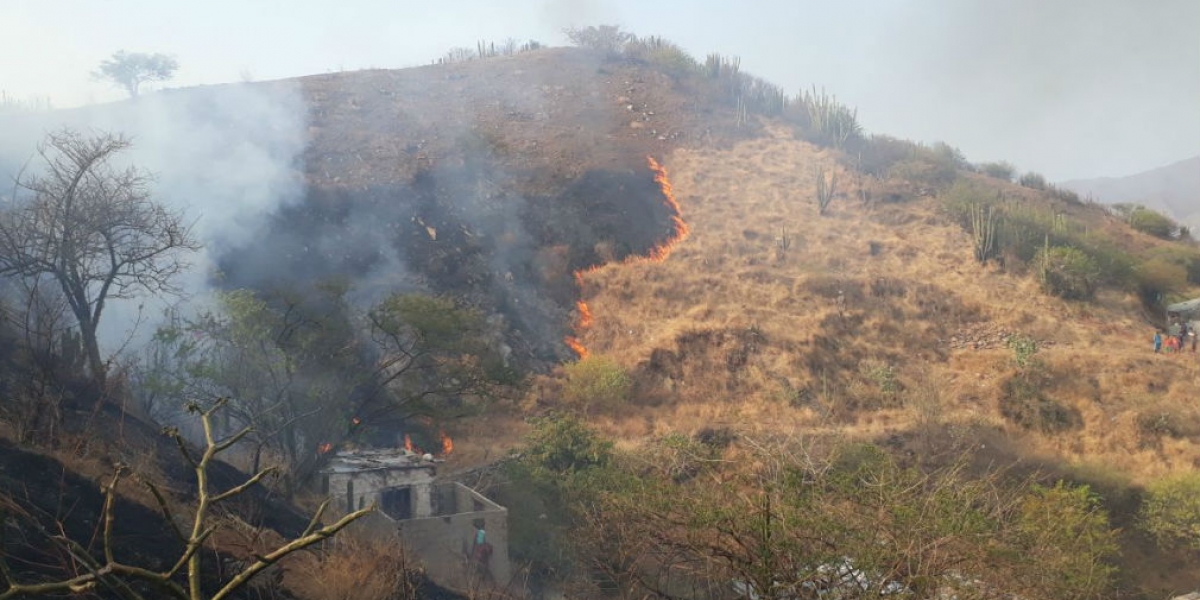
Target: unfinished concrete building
{"x":439,"y":521}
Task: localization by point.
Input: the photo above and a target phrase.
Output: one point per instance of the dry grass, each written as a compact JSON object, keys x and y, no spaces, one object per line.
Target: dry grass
{"x":735,"y":329}
{"x":351,"y":569}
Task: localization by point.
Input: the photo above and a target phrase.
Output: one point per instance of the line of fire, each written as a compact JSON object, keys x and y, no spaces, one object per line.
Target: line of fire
{"x":658,"y":253}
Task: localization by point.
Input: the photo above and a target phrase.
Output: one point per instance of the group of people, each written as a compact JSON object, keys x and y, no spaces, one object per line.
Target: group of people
{"x":1175,"y":340}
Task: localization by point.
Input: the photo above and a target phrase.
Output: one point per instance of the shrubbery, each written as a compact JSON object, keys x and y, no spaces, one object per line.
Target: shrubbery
{"x":609,"y":39}
{"x":596,"y":381}
{"x":1033,"y":181}
{"x":998,"y":170}
{"x":1080,"y":260}
{"x":884,"y":156}
{"x":1171,"y":511}
{"x":1157,"y":277}
{"x":1068,"y":273}
{"x":1152,"y":223}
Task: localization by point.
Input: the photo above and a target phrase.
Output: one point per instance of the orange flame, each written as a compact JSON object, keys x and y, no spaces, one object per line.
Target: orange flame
{"x":580,"y":350}
{"x":585,"y":314}
{"x":659,"y":253}
{"x":324,"y":448}
{"x":447,"y":443}
{"x":408,"y":445}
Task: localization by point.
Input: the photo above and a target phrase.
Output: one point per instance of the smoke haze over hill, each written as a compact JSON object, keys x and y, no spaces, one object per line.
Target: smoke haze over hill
{"x":1068,"y":89}
{"x":226,"y":157}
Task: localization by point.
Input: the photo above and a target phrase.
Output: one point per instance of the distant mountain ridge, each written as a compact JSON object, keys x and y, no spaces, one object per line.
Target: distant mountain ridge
{"x":1173,"y":190}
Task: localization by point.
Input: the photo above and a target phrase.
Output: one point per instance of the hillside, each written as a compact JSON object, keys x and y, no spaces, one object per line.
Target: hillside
{"x":528,"y":189}
{"x":731,"y":311}
{"x":1173,"y":190}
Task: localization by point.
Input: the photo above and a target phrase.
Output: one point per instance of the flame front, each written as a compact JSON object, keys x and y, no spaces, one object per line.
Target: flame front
{"x":580,"y":350}
{"x":658,"y":253}
{"x":447,"y":444}
{"x":585,"y":314}
{"x":408,"y":445}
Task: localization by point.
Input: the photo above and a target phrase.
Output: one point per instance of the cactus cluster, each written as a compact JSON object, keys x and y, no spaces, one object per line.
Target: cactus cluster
{"x":830,"y":122}
{"x":983,"y":231}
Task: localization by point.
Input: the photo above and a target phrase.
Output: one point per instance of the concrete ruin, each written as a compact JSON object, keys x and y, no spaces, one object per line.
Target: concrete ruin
{"x":438,"y":521}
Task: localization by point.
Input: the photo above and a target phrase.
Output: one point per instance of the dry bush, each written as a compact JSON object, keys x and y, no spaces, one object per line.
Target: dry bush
{"x":1179,"y":422}
{"x":1025,"y":404}
{"x":354,"y":569}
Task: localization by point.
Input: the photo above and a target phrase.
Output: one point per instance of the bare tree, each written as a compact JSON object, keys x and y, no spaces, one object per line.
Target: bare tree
{"x":129,"y":70}
{"x":114,"y":574}
{"x":93,"y":228}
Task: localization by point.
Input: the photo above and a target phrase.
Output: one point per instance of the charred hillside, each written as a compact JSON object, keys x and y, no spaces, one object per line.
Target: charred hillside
{"x":489,"y":181}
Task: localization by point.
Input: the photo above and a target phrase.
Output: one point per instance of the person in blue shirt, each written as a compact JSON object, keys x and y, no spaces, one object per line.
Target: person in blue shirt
{"x":1158,"y":341}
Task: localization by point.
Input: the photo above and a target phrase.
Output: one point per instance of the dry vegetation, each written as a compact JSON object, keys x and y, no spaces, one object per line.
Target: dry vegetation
{"x":770,"y":317}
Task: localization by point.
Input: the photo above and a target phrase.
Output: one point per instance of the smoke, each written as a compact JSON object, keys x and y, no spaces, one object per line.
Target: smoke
{"x":564,"y":14}
{"x":1073,"y":89}
{"x":227,"y":157}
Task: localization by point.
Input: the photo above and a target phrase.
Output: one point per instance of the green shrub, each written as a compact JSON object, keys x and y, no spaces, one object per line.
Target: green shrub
{"x":925,"y":171}
{"x":946,"y":154}
{"x":1064,"y":194}
{"x":562,"y":445}
{"x":998,"y":170}
{"x":1171,"y":511}
{"x":1068,"y":273}
{"x":1033,"y":181}
{"x":1152,"y":223}
{"x":609,"y":39}
{"x":596,"y":381}
{"x":1025,"y":351}
{"x":1157,"y":277}
{"x":662,"y":53}
{"x":1116,"y":266}
{"x":1186,"y":256}
{"x":1068,"y":540}
{"x":877,"y":154}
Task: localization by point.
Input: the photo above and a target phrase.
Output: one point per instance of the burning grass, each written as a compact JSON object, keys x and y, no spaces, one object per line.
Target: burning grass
{"x":655,"y":254}
{"x":893,"y":286}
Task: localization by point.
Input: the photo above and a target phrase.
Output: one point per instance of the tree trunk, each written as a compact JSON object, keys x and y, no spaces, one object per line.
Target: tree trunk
{"x":87,"y":335}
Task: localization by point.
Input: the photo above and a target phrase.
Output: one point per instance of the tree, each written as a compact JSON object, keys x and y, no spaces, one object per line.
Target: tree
{"x":608,"y":39}
{"x":129,"y":70}
{"x":111,"y":573}
{"x":853,"y":523}
{"x":92,"y":228}
{"x":304,"y":371}
{"x":998,"y":170}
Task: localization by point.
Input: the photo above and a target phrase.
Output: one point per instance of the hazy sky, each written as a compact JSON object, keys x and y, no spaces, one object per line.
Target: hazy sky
{"x":1071,"y":88}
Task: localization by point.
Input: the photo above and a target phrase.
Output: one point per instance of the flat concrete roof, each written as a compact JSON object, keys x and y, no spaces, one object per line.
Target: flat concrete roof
{"x":353,"y":461}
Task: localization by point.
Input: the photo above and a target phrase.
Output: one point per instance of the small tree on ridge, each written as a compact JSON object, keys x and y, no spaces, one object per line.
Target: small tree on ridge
{"x":129,"y":70}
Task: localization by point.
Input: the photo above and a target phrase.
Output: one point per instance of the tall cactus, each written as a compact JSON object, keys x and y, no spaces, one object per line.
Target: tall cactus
{"x":825,"y":189}
{"x":983,"y":231}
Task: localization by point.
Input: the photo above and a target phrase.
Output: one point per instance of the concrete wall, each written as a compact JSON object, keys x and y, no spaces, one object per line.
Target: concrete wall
{"x":369,"y":487}
{"x":442,"y":543}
